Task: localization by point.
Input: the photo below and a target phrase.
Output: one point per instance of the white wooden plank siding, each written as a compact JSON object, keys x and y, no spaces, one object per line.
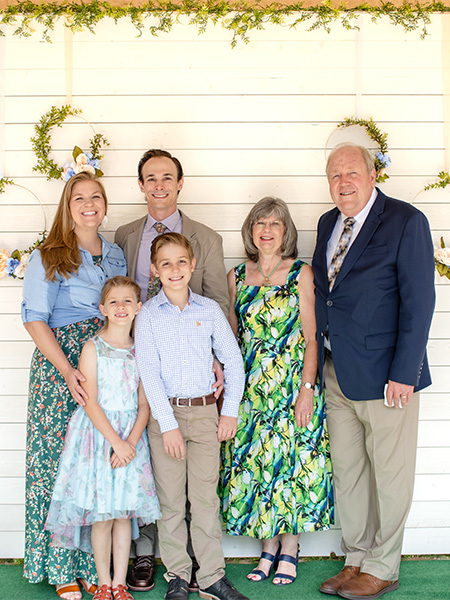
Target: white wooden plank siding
{"x":245,"y":122}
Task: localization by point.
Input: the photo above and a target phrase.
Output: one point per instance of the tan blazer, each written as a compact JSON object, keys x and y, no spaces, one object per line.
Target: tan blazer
{"x":209,"y":278}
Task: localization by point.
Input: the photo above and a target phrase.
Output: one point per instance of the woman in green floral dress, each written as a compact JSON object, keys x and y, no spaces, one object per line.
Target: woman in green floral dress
{"x":61,"y":293}
{"x":277,"y":471}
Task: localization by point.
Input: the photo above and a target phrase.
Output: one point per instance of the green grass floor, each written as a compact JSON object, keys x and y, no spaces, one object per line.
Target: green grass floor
{"x":419,"y":579}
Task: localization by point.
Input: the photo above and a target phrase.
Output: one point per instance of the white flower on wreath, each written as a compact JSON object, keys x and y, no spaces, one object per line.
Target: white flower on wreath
{"x":82,"y":161}
{"x":442,"y":255}
{"x":19,"y":271}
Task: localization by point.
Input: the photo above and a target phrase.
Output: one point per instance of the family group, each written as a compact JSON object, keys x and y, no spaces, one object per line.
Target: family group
{"x":164,"y":391}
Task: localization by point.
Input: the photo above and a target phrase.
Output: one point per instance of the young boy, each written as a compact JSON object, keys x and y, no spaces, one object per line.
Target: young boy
{"x":177,"y":332}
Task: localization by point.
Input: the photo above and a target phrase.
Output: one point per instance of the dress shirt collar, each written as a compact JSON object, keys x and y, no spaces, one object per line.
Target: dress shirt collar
{"x":161,"y":298}
{"x":170,"y":222}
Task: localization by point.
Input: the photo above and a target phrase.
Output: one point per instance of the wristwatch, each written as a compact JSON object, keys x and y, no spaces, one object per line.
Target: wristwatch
{"x":307,"y":384}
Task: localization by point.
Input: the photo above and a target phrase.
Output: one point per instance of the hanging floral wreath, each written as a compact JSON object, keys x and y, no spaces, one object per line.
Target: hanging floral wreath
{"x":382,"y":159}
{"x":41,"y":145}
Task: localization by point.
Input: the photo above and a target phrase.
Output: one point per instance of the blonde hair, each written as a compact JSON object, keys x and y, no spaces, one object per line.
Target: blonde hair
{"x":170,"y":238}
{"x":60,"y":252}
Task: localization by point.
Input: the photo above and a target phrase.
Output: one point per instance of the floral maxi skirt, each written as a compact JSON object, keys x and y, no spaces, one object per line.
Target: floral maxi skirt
{"x":50,"y":406}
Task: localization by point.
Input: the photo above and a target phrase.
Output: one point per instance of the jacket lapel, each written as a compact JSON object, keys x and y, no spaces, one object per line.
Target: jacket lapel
{"x":133,"y":244}
{"x":329,"y":221}
{"x":371,"y":224}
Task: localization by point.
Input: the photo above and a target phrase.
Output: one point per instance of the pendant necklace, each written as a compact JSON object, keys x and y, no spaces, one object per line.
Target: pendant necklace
{"x":267,"y":281}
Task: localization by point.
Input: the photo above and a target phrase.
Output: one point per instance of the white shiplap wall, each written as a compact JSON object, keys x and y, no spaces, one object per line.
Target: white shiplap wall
{"x":245,"y":123}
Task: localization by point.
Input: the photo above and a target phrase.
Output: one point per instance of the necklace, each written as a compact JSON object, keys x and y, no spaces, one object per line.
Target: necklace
{"x":267,"y":277}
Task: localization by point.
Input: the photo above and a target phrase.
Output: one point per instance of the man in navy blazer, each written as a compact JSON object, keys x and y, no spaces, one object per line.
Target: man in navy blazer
{"x":373,"y":321}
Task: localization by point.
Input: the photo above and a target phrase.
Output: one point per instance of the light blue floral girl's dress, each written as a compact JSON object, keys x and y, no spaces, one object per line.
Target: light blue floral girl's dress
{"x":87,"y":488}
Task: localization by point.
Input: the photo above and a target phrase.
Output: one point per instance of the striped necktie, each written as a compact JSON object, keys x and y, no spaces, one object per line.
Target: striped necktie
{"x":340,"y":252}
{"x":154,"y":284}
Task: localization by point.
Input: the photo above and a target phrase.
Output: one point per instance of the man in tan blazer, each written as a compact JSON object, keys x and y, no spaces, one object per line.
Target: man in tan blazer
{"x":161,"y":180}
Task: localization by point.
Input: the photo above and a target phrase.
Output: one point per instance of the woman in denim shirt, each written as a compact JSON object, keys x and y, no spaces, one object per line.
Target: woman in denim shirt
{"x":61,"y":294}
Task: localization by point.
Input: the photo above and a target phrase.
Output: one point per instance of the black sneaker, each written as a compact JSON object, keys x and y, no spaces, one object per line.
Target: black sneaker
{"x":221,"y":590}
{"x":177,"y":589}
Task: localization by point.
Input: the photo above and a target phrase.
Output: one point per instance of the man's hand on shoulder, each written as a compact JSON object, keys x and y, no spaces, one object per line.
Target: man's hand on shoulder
{"x":398,"y":394}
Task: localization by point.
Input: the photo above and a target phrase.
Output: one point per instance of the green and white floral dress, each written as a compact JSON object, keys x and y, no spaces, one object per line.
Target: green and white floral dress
{"x":276,"y":477}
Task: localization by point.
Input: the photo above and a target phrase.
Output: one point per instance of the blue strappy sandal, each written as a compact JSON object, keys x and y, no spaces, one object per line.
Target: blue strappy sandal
{"x":274,"y":562}
{"x":290,"y":578}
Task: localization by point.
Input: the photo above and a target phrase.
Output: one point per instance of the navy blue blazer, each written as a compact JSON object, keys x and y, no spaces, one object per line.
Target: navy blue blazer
{"x":379,"y":311}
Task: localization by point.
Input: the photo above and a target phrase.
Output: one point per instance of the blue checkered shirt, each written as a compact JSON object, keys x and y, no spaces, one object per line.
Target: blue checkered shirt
{"x":174,"y":354}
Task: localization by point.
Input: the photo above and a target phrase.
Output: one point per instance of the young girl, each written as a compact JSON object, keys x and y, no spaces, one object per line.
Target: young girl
{"x":104,"y":483}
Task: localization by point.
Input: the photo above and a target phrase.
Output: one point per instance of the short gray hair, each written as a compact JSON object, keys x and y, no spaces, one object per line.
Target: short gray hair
{"x":365,"y":155}
{"x":265,"y":208}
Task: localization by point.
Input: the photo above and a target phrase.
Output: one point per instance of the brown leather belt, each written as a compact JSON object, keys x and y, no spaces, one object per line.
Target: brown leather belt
{"x":201,"y":401}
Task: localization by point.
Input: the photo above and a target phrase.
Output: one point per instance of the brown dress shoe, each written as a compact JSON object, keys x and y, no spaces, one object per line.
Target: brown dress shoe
{"x":331,"y":586}
{"x":141,"y":577}
{"x":366,"y":587}
{"x":193,"y":585}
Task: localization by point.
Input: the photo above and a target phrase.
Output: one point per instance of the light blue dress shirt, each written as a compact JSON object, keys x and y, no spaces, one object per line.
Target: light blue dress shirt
{"x":174,"y":354}
{"x":69,"y":300}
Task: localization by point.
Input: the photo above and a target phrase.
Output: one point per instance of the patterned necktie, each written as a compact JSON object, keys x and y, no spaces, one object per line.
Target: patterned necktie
{"x":340,"y":252}
{"x":154,"y":284}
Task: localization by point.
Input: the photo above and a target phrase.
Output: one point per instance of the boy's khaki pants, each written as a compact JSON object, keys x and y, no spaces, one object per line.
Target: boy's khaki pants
{"x":198,"y":473}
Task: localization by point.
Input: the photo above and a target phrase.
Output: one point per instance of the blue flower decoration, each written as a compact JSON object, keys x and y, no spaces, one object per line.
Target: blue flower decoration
{"x":11,"y":264}
{"x":384,"y":159}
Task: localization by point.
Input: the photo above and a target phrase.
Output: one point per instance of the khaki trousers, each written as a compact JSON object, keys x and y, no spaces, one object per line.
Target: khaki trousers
{"x":198,"y":473}
{"x":373,"y":452}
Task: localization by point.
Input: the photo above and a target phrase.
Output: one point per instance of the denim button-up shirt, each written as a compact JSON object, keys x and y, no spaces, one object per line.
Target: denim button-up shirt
{"x":72,"y":299}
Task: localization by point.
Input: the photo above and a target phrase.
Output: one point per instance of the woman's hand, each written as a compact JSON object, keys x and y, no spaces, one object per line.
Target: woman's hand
{"x":304,"y":407}
{"x":123,"y":454}
{"x":74,"y":378}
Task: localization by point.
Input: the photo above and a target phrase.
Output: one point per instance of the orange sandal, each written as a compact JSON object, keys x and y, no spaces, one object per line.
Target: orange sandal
{"x":68,"y":588}
{"x":120,"y":592}
{"x":90,"y":588}
{"x":103,"y":593}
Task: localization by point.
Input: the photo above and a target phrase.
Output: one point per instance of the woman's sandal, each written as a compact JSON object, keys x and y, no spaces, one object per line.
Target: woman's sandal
{"x":120,"y":592}
{"x":90,"y":588}
{"x":68,"y":588}
{"x":103,"y":592}
{"x":290,"y":578}
{"x":273,"y":558}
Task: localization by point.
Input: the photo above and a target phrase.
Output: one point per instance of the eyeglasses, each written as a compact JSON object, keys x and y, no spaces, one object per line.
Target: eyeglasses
{"x":269,"y":224}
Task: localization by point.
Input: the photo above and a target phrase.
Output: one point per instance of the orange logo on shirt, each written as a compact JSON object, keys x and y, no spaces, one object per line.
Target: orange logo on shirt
{"x":198,"y":323}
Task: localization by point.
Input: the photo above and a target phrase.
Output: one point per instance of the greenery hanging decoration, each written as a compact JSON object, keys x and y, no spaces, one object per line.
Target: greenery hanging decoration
{"x":3,"y":182}
{"x":238,"y":16}
{"x":382,"y":159}
{"x":41,"y":142}
{"x":442,"y":182}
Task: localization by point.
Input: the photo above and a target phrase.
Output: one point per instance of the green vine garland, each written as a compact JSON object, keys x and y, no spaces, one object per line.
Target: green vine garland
{"x":236,"y":16}
{"x":381,"y":158}
{"x":41,"y":142}
{"x":5,"y":181}
{"x":443,"y":181}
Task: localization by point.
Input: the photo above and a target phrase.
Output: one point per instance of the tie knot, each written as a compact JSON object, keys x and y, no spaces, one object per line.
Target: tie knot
{"x":160,"y":227}
{"x":349,"y":222}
